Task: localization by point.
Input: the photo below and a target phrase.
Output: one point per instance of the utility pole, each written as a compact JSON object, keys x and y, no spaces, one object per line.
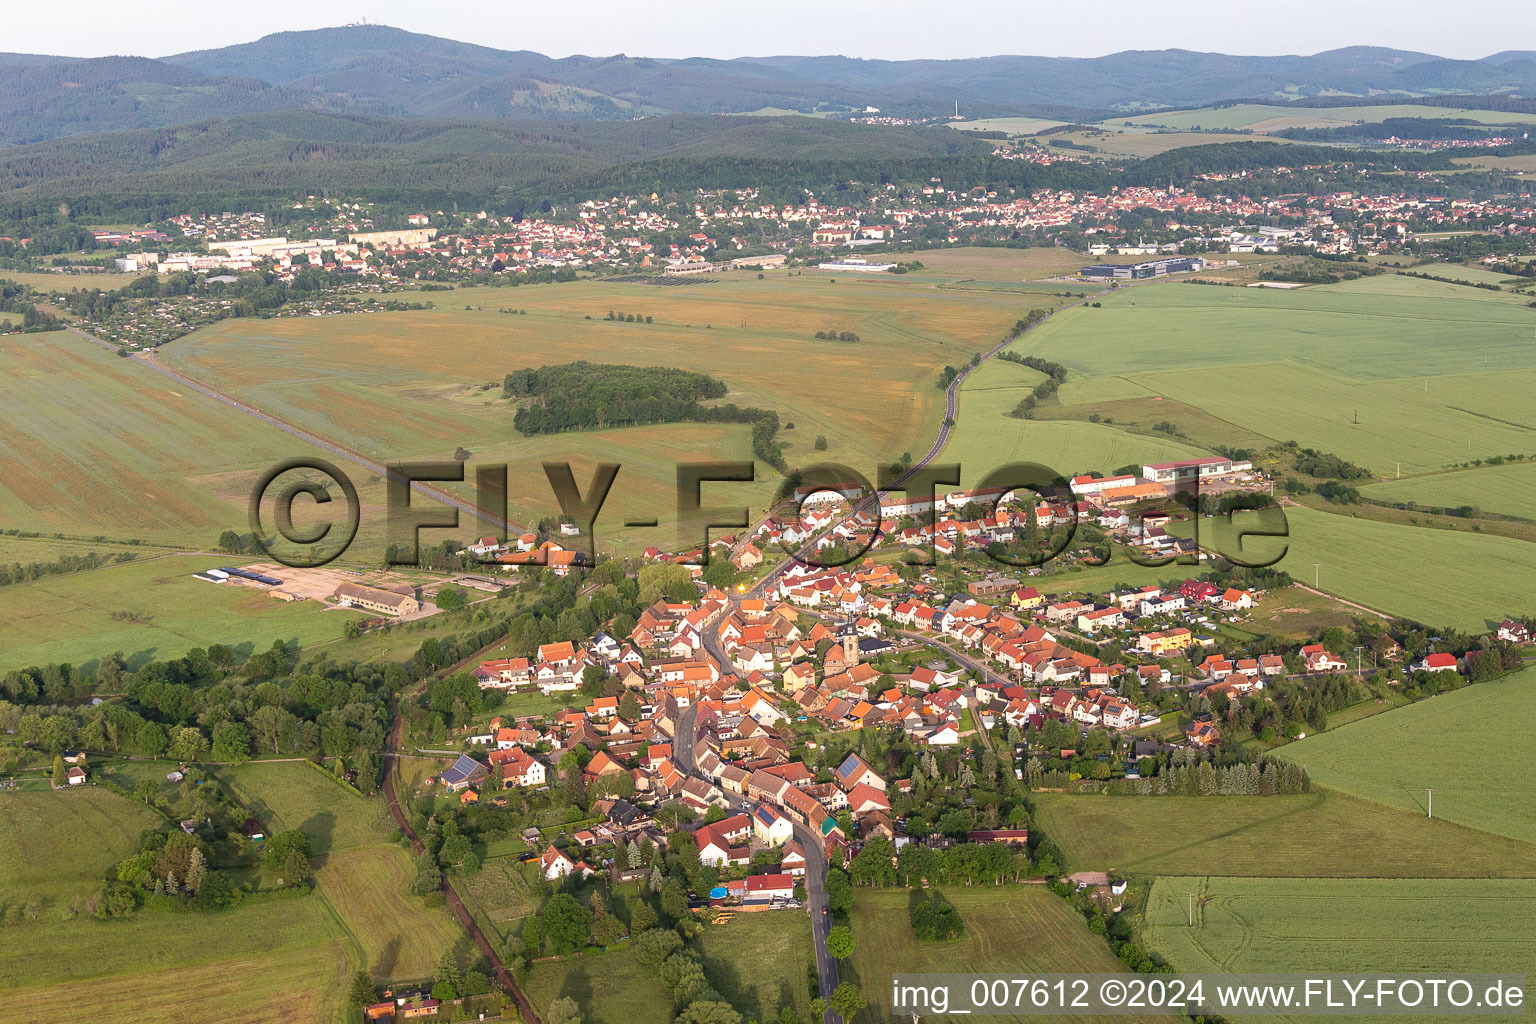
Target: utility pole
{"x":1191,"y":908}
{"x":1317,"y":575}
{"x":1359,"y":659}
{"x":1431,"y":802}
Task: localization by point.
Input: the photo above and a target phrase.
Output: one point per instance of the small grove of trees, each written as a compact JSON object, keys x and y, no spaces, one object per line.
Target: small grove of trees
{"x":934,"y":918}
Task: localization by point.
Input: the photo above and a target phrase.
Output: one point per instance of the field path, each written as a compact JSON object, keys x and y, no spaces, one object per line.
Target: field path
{"x":147,"y":359}
{"x":1335,"y":597}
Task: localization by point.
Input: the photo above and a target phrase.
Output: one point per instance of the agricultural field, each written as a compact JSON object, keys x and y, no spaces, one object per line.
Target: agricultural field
{"x":1419,"y":926}
{"x":380,"y":383}
{"x":987,"y":263}
{"x":1322,"y":834}
{"x":1524,"y":164}
{"x":1245,"y":367}
{"x":1023,"y":929}
{"x":1479,"y":783}
{"x":150,"y":609}
{"x":362,"y":876}
{"x":96,"y":444}
{"x":1261,"y":117}
{"x":25,"y":550}
{"x":1440,"y":577}
{"x":1442,"y":365}
{"x":286,"y":959}
{"x":57,"y":846}
{"x":1508,"y":490}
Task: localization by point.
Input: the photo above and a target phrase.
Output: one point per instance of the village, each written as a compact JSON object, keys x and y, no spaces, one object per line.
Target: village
{"x":743,"y":718}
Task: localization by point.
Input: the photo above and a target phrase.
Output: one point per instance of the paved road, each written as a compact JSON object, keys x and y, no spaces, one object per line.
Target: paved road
{"x":821,"y":920}
{"x":148,"y":360}
{"x":815,"y":861}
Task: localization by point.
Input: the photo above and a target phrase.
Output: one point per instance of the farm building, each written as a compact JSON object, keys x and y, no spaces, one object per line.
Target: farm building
{"x":375,"y":599}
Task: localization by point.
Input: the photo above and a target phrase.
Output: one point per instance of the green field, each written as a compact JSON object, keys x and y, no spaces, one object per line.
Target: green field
{"x":96,"y":827}
{"x":69,"y":618}
{"x":1321,"y":834}
{"x":25,"y":550}
{"x":282,"y":960}
{"x":43,"y":281}
{"x":1023,"y":929}
{"x":1359,"y":926}
{"x":610,"y":988}
{"x":1440,"y":577}
{"x":1437,"y":374}
{"x":362,"y":876}
{"x":986,"y":437}
{"x":1508,"y":490}
{"x":1477,"y":769}
{"x":1137,"y":143}
{"x":759,"y":961}
{"x":1261,"y":117}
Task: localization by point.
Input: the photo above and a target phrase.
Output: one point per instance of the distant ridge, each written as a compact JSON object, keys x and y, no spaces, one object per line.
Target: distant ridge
{"x":378,"y":70}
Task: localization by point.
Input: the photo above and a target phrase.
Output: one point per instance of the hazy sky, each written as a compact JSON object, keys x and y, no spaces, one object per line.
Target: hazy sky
{"x":894,"y":29}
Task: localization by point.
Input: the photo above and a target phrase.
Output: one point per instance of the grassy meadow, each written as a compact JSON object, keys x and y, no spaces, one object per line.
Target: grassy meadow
{"x":1024,"y":929}
{"x":71,"y":618}
{"x":282,"y":960}
{"x":1422,"y":926}
{"x":1322,"y":834}
{"x":1436,"y":373}
{"x":1478,"y":775}
{"x":97,"y":827}
{"x":759,"y":962}
{"x":24,"y":550}
{"x":609,"y":988}
{"x":986,"y":437}
{"x":363,"y":877}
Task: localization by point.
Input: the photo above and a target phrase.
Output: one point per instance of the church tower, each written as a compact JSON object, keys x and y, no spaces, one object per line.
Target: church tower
{"x":848,"y":636}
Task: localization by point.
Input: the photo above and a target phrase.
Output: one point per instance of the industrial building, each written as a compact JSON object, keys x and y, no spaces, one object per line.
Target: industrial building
{"x":1142,"y":271}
